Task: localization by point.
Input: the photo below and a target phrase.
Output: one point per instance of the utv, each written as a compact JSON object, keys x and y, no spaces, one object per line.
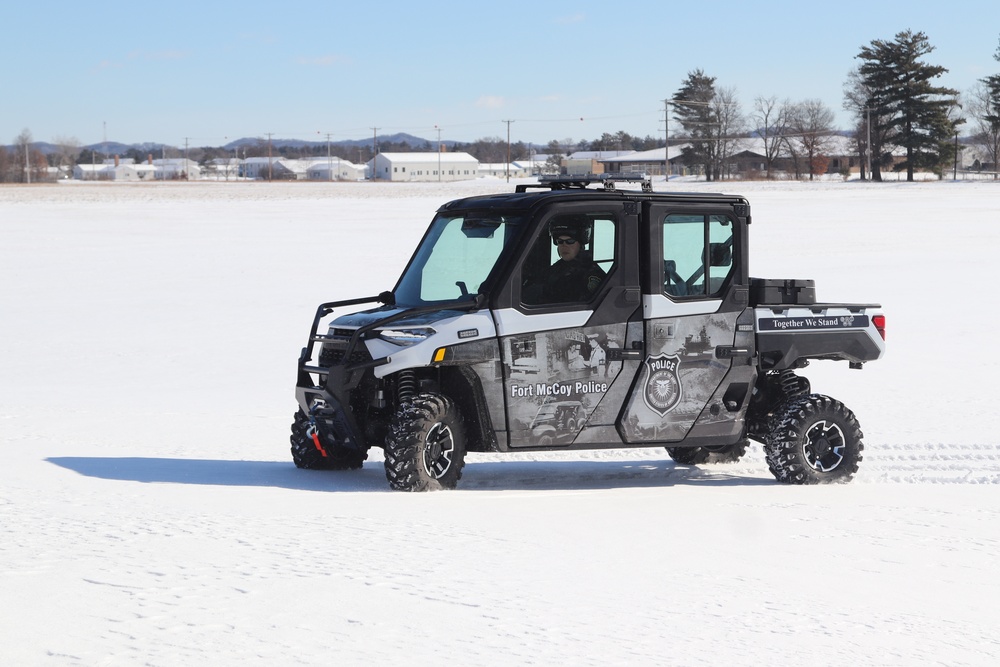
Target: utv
{"x":564,"y":316}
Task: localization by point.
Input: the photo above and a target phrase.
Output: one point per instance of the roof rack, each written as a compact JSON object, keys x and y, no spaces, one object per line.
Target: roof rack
{"x":567,"y":182}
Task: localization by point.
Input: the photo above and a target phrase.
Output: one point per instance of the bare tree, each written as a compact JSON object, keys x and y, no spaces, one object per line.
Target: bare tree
{"x":22,"y":156}
{"x":870,"y":136}
{"x":985,"y":115}
{"x":770,"y":120}
{"x":731,"y":123}
{"x":5,"y":165}
{"x":812,"y":125}
{"x":983,"y":103}
{"x":67,"y":152}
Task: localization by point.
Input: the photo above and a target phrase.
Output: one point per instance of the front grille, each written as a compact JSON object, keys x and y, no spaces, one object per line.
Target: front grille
{"x":331,"y":355}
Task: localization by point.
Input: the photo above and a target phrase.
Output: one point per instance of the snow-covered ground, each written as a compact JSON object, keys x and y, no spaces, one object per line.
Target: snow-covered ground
{"x":150,"y":514}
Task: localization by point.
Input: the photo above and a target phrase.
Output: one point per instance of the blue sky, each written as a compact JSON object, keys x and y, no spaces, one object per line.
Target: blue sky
{"x":214,"y":71}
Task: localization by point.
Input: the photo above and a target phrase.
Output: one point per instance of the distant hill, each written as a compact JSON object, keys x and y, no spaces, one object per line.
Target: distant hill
{"x":398,"y":138}
{"x":115,"y":147}
{"x":110,"y":148}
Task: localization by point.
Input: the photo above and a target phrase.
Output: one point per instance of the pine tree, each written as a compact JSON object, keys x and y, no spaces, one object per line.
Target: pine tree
{"x":693,"y":110}
{"x":907,"y":110}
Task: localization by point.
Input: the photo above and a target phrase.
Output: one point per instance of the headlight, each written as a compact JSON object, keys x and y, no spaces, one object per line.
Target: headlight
{"x":405,"y":337}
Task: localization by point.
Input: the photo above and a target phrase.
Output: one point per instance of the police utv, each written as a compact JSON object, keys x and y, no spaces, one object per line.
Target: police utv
{"x":658,"y":336}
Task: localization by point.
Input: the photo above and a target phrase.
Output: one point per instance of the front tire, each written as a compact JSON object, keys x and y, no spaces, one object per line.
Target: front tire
{"x":329,"y":456}
{"x":425,"y":449}
{"x":814,"y":440}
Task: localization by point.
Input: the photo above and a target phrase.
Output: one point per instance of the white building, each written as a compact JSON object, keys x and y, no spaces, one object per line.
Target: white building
{"x":253,"y":166}
{"x":335,"y":169}
{"x":502,"y":169}
{"x":291,"y":169}
{"x":222,"y":168}
{"x":114,"y":170}
{"x":423,"y":167}
{"x":281,"y":168}
{"x":177,"y":168}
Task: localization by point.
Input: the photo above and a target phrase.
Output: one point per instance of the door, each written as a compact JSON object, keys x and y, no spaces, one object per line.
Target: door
{"x":692,"y":308}
{"x":571,"y":338}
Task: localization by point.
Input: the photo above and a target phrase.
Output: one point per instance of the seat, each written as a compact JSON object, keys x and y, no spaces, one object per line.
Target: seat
{"x":673,"y":284}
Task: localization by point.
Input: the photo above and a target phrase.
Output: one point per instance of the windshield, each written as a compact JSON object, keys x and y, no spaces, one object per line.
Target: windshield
{"x":455,"y":258}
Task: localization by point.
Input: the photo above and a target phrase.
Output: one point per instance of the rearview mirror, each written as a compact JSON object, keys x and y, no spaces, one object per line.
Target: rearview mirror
{"x":480,"y":228}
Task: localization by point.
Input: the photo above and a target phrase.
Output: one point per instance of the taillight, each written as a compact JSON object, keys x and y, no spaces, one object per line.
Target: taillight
{"x":879,"y":322}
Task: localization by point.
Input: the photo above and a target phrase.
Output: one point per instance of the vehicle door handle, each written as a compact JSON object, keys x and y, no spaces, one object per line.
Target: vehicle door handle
{"x":618,"y":354}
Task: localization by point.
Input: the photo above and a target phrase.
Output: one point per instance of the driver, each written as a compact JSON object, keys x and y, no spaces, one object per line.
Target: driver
{"x":575,"y":276}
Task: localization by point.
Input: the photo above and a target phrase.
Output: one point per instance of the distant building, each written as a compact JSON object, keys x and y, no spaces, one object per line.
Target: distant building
{"x":645,"y":162}
{"x":222,"y":168}
{"x":502,"y":169}
{"x":588,"y":162}
{"x":423,"y":167}
{"x":335,"y":169}
{"x":177,"y":168}
{"x":253,"y":167}
{"x":114,"y":169}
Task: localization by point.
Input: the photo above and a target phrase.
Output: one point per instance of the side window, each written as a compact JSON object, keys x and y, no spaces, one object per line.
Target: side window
{"x":697,"y":254}
{"x":571,"y":259}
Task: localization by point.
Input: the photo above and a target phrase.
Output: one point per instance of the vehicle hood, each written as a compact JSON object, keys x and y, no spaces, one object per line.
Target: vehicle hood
{"x":365,"y":317}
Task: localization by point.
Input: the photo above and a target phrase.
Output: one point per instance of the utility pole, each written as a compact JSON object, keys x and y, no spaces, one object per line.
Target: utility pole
{"x":27,"y":162}
{"x":270,"y":167}
{"x":868,"y":139}
{"x":507,"y":166}
{"x":329,"y":159}
{"x":955,"y":177}
{"x":374,"y":152}
{"x":666,"y":139}
{"x":439,"y":152}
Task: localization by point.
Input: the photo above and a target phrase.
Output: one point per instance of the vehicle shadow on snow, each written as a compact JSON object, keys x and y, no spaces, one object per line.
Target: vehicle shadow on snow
{"x":213,"y":472}
{"x":482,"y":476}
{"x":592,"y":475}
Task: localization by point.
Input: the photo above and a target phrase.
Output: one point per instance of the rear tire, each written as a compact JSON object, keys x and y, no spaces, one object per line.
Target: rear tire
{"x":305,"y":453}
{"x":711,"y":454}
{"x":425,"y":449}
{"x":814,"y":440}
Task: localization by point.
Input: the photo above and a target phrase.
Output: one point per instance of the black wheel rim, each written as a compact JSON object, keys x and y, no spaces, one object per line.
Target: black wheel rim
{"x":824,"y":446}
{"x":439,"y":448}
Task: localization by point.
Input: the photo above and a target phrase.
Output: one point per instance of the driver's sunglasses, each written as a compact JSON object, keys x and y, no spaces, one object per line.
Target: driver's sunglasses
{"x":563,"y":241}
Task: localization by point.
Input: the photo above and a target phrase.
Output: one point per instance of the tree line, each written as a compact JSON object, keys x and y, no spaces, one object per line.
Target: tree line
{"x":902,"y":121}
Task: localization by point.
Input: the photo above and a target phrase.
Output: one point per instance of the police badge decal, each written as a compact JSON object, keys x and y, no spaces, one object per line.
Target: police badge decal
{"x":662,"y":392}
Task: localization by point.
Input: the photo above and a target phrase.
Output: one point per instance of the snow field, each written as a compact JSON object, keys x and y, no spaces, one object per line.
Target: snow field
{"x":150,"y":514}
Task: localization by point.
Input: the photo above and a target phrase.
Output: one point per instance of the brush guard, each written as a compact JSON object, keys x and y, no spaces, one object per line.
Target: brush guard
{"x":324,"y":392}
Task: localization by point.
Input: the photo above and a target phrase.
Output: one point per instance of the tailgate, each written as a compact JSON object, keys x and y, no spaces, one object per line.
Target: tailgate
{"x":788,"y":334}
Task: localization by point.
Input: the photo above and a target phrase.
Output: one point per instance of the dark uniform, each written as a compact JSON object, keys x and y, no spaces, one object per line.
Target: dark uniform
{"x":570,"y":280}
